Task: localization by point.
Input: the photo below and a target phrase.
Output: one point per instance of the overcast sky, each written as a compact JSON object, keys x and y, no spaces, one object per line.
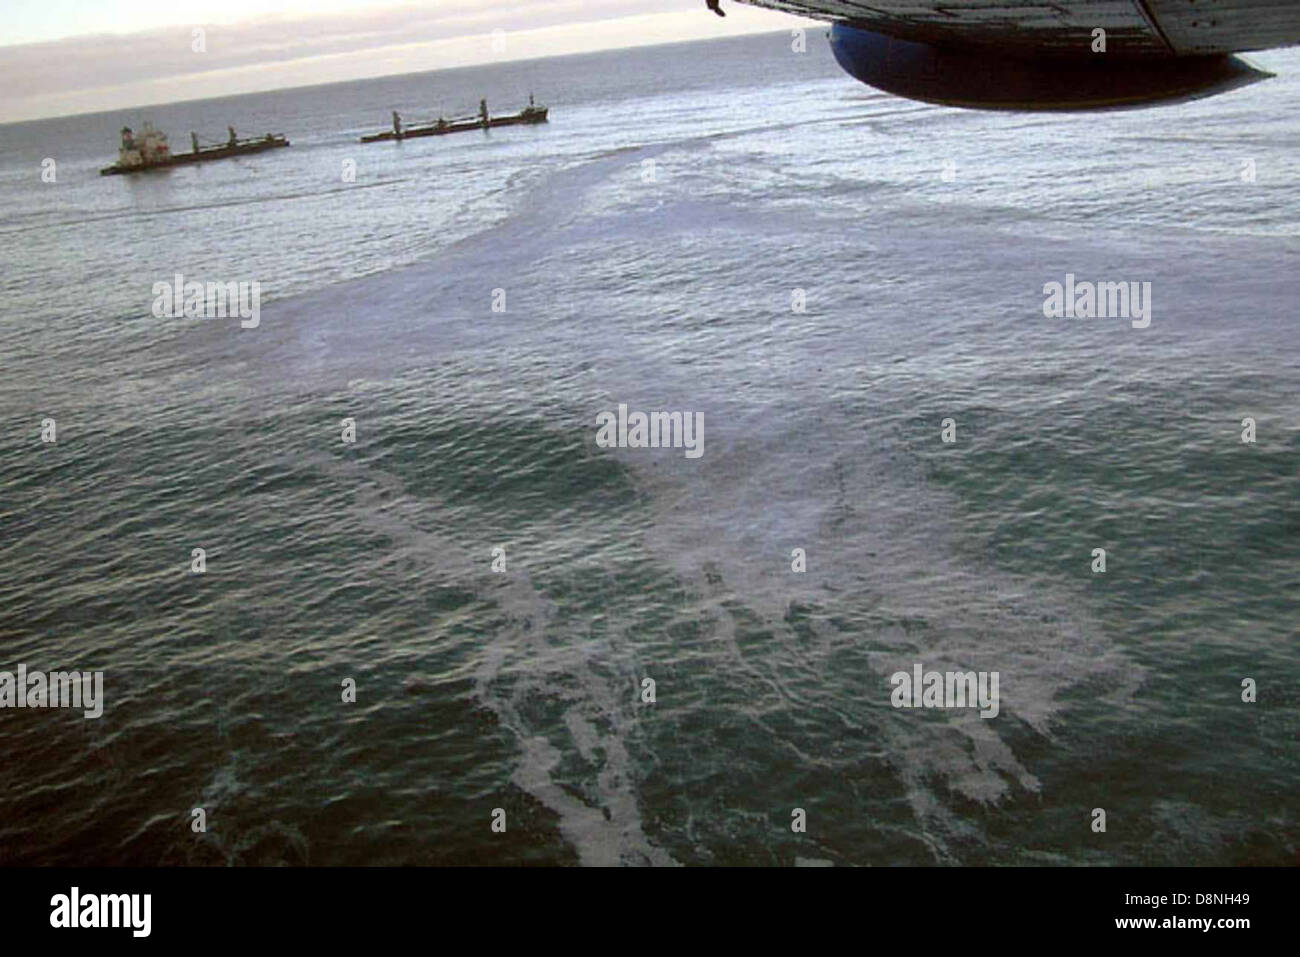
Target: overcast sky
{"x":59,"y":57}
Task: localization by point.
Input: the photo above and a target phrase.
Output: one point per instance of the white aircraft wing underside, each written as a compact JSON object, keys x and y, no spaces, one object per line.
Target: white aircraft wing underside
{"x":1065,"y":27}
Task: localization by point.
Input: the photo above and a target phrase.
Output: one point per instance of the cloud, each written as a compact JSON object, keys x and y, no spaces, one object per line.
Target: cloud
{"x":109,"y":71}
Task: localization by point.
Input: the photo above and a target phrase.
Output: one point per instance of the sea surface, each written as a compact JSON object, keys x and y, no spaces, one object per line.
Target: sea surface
{"x":651,"y":246}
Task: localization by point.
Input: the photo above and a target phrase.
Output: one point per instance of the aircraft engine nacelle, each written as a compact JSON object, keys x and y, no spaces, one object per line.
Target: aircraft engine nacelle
{"x":986,"y":77}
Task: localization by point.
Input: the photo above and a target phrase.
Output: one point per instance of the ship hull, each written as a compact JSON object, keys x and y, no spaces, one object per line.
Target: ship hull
{"x":202,"y":156}
{"x":464,"y":126}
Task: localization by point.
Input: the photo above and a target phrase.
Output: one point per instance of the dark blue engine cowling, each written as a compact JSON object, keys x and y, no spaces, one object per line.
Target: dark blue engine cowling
{"x":984,"y":77}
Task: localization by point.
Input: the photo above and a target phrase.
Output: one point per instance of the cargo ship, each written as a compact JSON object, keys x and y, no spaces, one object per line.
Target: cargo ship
{"x":148,"y":150}
{"x":532,"y":113}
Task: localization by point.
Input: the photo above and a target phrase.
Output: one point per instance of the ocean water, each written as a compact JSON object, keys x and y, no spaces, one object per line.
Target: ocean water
{"x":650,"y":243}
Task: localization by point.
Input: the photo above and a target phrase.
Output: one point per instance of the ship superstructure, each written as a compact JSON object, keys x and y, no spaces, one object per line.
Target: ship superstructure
{"x":147,"y":148}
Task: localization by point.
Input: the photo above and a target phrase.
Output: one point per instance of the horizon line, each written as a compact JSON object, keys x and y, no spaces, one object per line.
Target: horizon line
{"x":385,"y":60}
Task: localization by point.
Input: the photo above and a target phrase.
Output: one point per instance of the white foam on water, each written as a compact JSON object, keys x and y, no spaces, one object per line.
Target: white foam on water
{"x":879,"y":549}
{"x":528,"y":659}
{"x":787,"y":464}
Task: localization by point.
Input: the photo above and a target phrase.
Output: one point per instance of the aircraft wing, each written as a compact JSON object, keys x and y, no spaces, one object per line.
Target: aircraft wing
{"x":1051,"y":54}
{"x":1177,"y":27}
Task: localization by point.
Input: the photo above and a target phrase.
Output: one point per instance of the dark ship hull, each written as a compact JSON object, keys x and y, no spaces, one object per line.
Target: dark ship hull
{"x":204,"y":155}
{"x":527,"y":117}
